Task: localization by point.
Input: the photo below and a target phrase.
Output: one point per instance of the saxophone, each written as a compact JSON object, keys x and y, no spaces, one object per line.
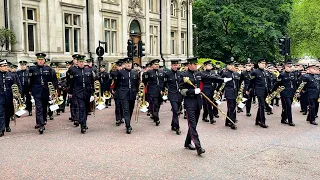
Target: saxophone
{"x":240,"y":94}
{"x":274,"y":94}
{"x":217,"y":94}
{"x":295,"y":98}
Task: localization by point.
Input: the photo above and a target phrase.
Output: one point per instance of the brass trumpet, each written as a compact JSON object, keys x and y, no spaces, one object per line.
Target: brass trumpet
{"x":56,"y":100}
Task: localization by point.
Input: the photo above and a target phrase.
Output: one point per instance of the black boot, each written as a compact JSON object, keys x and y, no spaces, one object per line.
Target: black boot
{"x":41,"y":130}
{"x":118,"y":122}
{"x":200,"y":151}
{"x":2,"y":133}
{"x":248,"y":114}
{"x":51,"y":117}
{"x":212,"y":121}
{"x":30,"y":113}
{"x":129,"y":129}
{"x":8,"y":129}
{"x":178,"y":132}
{"x":205,"y":120}
{"x":76,"y":123}
{"x":83,"y":129}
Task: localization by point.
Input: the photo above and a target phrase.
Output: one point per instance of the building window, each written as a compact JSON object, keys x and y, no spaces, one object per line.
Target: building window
{"x":154,"y":40}
{"x":173,"y":43}
{"x":151,"y":5}
{"x":110,"y":35}
{"x":184,"y":10}
{"x":72,"y":29}
{"x":173,"y":8}
{"x":183,"y":43}
{"x":29,"y":29}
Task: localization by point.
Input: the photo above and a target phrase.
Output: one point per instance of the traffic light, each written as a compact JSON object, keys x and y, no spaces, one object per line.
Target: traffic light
{"x":287,"y":46}
{"x":129,"y":48}
{"x":134,"y":50}
{"x":282,"y":46}
{"x":141,"y":49}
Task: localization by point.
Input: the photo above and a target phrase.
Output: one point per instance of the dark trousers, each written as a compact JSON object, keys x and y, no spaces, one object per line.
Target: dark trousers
{"x":286,"y":109}
{"x":2,"y":111}
{"x":74,"y":109}
{"x":127,"y":108}
{"x":317,"y":107}
{"x":63,"y":105}
{"x":231,"y":113}
{"x":304,"y":102}
{"x":175,"y":113}
{"x":41,"y":110}
{"x":275,"y":99}
{"x":84,"y":107}
{"x":118,"y":110}
{"x":248,"y":102}
{"x":261,"y":110}
{"x":9,"y":112}
{"x":155,"y":107}
{"x":25,"y":95}
{"x":312,"y":109}
{"x":207,"y":108}
{"x":193,"y":117}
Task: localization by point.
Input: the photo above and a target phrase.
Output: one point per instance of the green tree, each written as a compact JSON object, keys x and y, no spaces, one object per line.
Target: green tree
{"x":240,"y":28}
{"x":304,"y":28}
{"x":6,"y":37}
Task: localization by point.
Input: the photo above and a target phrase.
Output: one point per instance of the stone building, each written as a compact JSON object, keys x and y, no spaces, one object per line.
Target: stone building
{"x":61,"y":28}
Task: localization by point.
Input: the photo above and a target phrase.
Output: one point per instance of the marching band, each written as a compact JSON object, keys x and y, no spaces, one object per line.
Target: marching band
{"x":189,"y":87}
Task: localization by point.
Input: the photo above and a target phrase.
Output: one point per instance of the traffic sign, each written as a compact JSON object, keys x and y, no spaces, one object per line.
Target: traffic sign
{"x":100,"y":51}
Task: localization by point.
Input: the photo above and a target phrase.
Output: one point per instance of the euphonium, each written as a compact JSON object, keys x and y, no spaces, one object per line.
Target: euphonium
{"x":143,"y":105}
{"x":274,"y":94}
{"x":295,"y":97}
{"x":97,"y":93}
{"x":217,"y":94}
{"x":240,"y":93}
{"x":54,"y":95}
{"x":107,"y":95}
{"x":165,"y":94}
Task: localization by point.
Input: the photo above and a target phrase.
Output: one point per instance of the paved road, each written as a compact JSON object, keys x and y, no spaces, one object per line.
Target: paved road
{"x":156,"y":152}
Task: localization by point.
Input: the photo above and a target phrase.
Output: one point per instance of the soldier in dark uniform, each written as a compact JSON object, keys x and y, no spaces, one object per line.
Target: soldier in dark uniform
{"x":115,"y":92}
{"x":185,"y":66}
{"x":62,"y":89}
{"x":231,"y":92}
{"x":81,"y":87}
{"x":68,"y":65}
{"x":155,"y":80}
{"x":146,"y":97}
{"x":303,"y":95}
{"x":193,"y":101}
{"x":173,"y":79}
{"x":208,"y":89}
{"x":312,"y":89}
{"x":39,"y":76}
{"x":259,"y":80}
{"x":270,"y":85}
{"x":245,"y":77}
{"x":7,"y":79}
{"x":73,"y":106}
{"x":126,"y":83}
{"x":24,"y":80}
{"x":105,"y":81}
{"x":287,"y":80}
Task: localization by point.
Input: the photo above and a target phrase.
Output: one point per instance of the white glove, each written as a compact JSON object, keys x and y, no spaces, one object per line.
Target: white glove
{"x":197,"y":91}
{"x":227,"y":79}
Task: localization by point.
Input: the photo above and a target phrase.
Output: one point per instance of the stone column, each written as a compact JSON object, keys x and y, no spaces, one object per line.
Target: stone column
{"x":146,"y":38}
{"x":15,"y":23}
{"x":190,"y":31}
{"x":123,"y":38}
{"x":167,"y":26}
{"x":178,"y":37}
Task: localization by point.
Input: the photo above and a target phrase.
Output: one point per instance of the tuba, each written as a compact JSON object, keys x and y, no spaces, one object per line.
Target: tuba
{"x":107,"y":95}
{"x":55,"y":99}
{"x":274,"y":94}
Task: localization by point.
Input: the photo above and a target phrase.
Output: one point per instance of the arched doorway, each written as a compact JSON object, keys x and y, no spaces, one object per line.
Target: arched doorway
{"x":135,"y":35}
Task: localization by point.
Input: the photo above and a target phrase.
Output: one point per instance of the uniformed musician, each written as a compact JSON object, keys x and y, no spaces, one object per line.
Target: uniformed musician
{"x":126,"y":85}
{"x":40,"y":76}
{"x":155,"y":80}
{"x":81,"y":87}
{"x":259,"y":81}
{"x":172,"y":83}
{"x":24,"y":80}
{"x":115,"y":92}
